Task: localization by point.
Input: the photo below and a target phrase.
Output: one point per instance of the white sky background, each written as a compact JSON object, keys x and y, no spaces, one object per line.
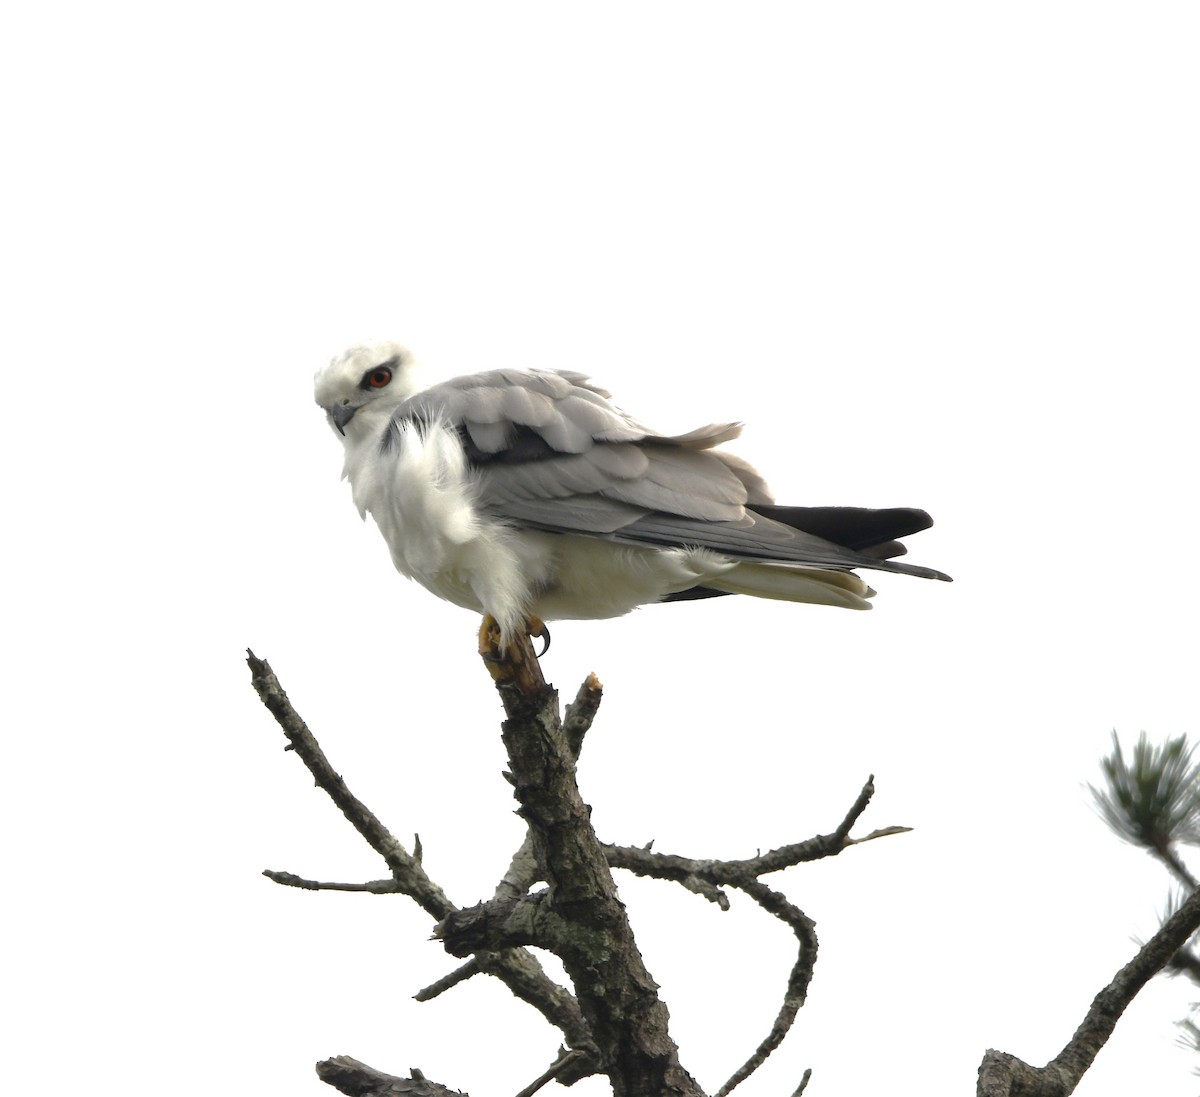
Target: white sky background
{"x":939,"y":255}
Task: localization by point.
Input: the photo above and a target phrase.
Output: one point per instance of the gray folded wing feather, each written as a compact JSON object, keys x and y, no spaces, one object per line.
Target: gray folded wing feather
{"x":536,"y":436}
{"x":563,"y":408}
{"x":550,"y":451}
{"x":645,"y":478}
{"x":762,"y":539}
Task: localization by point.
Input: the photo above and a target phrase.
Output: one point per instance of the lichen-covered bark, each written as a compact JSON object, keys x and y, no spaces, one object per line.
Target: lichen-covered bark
{"x":616,"y":1025}
{"x":591,"y":932}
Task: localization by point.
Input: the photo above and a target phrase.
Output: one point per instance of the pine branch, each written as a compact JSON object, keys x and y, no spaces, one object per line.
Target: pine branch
{"x":1004,"y":1075}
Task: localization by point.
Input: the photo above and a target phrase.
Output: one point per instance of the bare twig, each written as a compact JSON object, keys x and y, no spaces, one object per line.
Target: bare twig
{"x":459,"y":975}
{"x":707,"y":876}
{"x":581,"y":712}
{"x":798,"y":978}
{"x":882,"y":832}
{"x":803,"y":1083}
{"x":1004,"y":1075}
{"x":823,"y":845}
{"x":405,"y":869}
{"x":374,"y":887}
{"x":516,"y":968}
{"x":665,"y":866}
{"x":706,"y":890}
{"x":565,"y":1060}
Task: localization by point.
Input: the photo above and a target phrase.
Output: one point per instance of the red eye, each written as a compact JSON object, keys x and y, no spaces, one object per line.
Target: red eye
{"x":378,"y":378}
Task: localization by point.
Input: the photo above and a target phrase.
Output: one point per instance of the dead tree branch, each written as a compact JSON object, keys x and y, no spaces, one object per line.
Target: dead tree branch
{"x":692,"y":872}
{"x":799,"y":977}
{"x":561,"y":1066}
{"x":406,"y":870}
{"x":1004,"y":1075}
{"x":616,"y":1023}
{"x":580,"y":911}
{"x":707,"y":877}
{"x":523,"y":871}
{"x":356,"y":1079}
{"x":372,"y":887}
{"x":448,"y":982}
{"x":517,"y":969}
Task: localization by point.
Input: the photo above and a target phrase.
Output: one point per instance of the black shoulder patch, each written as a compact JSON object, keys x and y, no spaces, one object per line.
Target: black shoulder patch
{"x":398,"y":424}
{"x":524,"y":444}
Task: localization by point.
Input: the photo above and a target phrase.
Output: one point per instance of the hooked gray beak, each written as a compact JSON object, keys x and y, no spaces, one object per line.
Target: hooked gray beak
{"x":340,"y":415}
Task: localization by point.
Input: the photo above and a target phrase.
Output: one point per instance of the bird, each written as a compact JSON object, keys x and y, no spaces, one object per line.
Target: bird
{"x":529,"y":496}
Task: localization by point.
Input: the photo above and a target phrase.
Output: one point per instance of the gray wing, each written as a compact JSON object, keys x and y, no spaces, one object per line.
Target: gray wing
{"x":551,"y":451}
{"x":550,"y":448}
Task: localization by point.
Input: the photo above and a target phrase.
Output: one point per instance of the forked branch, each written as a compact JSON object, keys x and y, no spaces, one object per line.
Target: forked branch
{"x":617,"y":1024}
{"x":516,"y":968}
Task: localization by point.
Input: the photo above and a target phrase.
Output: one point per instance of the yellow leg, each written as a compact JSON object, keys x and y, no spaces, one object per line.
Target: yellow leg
{"x":489,"y":639}
{"x":516,"y":663}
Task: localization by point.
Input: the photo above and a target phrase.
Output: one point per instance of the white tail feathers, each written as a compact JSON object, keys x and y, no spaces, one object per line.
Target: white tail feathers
{"x":794,"y":584}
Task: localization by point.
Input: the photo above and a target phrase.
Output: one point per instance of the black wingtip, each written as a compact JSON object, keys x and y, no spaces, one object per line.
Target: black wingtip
{"x":858,"y":528}
{"x":869,"y":532}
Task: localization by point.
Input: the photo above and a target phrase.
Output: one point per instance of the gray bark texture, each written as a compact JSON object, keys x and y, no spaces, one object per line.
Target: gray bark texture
{"x":614,"y":1023}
